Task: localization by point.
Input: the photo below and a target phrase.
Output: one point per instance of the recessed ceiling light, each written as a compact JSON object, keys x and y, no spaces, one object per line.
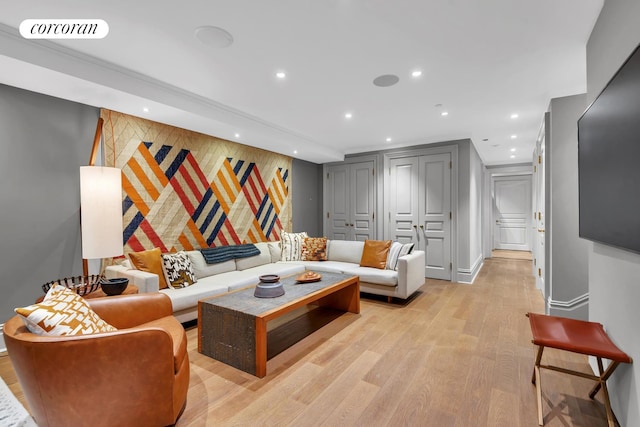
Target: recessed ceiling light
{"x":444,"y":113}
{"x":214,"y":36}
{"x":388,"y":139}
{"x":514,"y":116}
{"x":386,"y":80}
{"x":281,"y":74}
{"x":145,"y":109}
{"x":513,"y":150}
{"x":295,"y":151}
{"x":514,"y":136}
{"x":512,"y":156}
{"x":237,"y":135}
{"x":348,"y":115}
{"x":416,"y":73}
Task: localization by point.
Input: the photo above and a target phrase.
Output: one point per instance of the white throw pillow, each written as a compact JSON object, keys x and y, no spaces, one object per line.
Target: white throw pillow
{"x":291,"y":244}
{"x":394,"y":253}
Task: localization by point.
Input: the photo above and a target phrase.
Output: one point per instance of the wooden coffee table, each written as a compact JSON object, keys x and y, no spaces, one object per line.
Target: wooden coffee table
{"x":232,"y":328}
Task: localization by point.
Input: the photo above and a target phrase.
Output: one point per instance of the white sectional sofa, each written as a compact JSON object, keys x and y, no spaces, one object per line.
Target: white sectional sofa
{"x":214,"y":279}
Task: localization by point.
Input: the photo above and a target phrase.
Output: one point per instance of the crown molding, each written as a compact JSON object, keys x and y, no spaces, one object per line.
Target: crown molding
{"x":58,"y":58}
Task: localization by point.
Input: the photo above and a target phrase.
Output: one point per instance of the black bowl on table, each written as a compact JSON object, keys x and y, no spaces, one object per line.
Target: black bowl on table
{"x":114,"y":286}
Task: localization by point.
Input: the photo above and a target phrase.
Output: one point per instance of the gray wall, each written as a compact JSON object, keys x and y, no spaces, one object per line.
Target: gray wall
{"x":566,"y":262}
{"x":306,"y":179}
{"x":614,"y":275}
{"x":44,"y":141}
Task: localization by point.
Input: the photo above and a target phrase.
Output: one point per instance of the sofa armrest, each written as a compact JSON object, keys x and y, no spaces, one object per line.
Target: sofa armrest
{"x":410,"y":273}
{"x":146,"y":282}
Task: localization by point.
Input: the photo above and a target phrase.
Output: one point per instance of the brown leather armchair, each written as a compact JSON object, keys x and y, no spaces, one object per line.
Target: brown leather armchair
{"x":138,"y":375}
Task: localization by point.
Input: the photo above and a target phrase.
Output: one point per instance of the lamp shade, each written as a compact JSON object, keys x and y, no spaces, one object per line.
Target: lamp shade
{"x":101,"y":211}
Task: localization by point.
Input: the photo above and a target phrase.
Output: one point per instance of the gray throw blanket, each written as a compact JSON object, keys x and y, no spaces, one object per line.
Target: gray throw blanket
{"x":226,"y":253}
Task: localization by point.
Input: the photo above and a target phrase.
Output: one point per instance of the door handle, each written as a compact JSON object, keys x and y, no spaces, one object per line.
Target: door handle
{"x":422,"y":226}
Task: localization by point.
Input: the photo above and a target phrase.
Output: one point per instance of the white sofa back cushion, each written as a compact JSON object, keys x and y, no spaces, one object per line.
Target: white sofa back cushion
{"x":254,"y":261}
{"x":345,"y":251}
{"x":202,"y":269}
{"x":275,"y":250}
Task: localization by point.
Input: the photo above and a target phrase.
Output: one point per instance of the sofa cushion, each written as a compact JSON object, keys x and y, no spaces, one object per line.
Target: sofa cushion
{"x":330,"y":266}
{"x":374,"y":275}
{"x":62,"y":312}
{"x":291,"y":245}
{"x":151,"y":262}
{"x":202,"y":269}
{"x":374,"y":253}
{"x":264,"y":257}
{"x":345,"y":251}
{"x":207,"y":287}
{"x":177,"y":269}
{"x":314,"y":249}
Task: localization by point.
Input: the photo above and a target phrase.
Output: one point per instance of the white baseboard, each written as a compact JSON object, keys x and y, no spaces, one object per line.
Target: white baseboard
{"x":577,"y":308}
{"x":469,"y":275}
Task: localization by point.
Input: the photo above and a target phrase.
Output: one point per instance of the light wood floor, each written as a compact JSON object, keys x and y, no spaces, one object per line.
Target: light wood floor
{"x":456,"y":355}
{"x":504,"y":253}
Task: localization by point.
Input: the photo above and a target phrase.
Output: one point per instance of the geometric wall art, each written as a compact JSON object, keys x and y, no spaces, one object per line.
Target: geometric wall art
{"x":186,"y":190}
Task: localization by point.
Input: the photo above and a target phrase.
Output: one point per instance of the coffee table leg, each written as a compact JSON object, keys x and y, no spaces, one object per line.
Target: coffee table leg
{"x":261,"y":347}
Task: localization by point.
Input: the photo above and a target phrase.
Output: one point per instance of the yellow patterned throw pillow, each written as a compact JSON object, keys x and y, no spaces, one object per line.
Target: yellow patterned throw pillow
{"x":314,"y":249}
{"x":62,"y":312}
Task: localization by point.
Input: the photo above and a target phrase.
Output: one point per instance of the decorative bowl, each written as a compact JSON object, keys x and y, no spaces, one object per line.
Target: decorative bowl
{"x":269,"y":287}
{"x":82,"y":285}
{"x":114,"y":286}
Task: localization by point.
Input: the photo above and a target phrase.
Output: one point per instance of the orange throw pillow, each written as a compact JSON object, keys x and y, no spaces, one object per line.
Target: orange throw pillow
{"x":375,"y":253}
{"x":151,"y":262}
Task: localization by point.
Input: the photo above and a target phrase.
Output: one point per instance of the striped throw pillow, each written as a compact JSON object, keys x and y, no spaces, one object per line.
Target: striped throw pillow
{"x":291,"y":245}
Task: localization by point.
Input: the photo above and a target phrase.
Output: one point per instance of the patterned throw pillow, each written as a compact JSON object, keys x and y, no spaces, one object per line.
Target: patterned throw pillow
{"x":314,"y":249}
{"x":178,"y":270}
{"x":62,"y":312}
{"x":291,"y":244}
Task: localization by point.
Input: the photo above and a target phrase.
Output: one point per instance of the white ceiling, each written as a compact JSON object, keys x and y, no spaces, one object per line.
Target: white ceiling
{"x":481,"y":60}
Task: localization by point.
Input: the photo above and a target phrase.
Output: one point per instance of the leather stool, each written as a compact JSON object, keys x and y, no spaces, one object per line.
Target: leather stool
{"x":577,"y":336}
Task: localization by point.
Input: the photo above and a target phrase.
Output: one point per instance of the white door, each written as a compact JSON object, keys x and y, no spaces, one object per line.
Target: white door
{"x":350,"y":201}
{"x":361,"y":199}
{"x":435,"y":214}
{"x":403,"y":200}
{"x":338,"y":206}
{"x":420,"y":208}
{"x":512,"y":204}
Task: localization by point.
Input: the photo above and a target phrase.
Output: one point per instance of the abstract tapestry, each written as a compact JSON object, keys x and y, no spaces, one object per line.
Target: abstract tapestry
{"x":186,"y":190}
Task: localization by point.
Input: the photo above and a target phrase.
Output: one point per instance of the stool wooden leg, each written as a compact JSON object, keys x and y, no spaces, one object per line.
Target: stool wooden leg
{"x":536,"y":381}
{"x":605,"y":392}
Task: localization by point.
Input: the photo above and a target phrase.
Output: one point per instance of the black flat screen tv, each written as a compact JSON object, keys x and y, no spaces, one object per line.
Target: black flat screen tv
{"x":609,"y":161}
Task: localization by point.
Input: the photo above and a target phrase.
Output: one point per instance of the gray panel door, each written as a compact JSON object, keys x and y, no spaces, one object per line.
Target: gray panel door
{"x":435,"y":214}
{"x":338,"y":209}
{"x":351,"y":197}
{"x":403,"y":200}
{"x":361,"y":199}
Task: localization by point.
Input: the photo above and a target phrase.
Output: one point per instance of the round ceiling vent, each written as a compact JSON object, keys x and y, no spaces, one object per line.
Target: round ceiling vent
{"x":386,"y":80}
{"x":214,"y":36}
